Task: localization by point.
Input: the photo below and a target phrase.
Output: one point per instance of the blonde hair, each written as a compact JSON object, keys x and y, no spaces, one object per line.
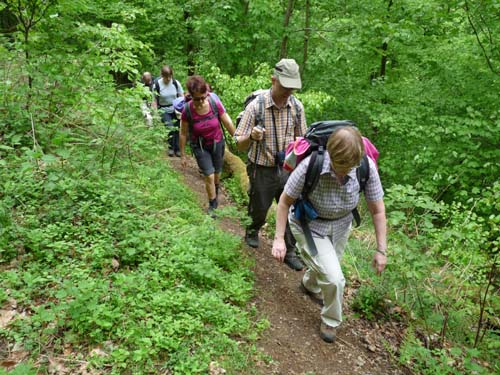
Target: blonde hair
{"x":346,"y":149}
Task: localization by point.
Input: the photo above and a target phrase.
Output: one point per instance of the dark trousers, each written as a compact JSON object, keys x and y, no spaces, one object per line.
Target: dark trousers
{"x":172,"y":124}
{"x":266,"y":185}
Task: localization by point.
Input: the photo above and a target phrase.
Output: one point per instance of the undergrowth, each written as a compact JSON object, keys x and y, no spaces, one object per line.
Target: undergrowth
{"x":118,"y":270}
{"x":439,"y":291}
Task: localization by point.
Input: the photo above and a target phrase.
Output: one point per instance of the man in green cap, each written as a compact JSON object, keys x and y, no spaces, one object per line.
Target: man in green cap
{"x":269,"y":124}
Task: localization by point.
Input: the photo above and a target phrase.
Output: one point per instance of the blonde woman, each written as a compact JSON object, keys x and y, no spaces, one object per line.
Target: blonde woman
{"x":334,"y":198}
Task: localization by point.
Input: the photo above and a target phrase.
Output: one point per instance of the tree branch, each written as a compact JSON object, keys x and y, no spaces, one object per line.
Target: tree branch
{"x":466,"y":5}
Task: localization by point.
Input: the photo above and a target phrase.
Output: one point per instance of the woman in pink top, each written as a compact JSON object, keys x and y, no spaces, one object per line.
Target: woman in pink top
{"x":201,"y":123}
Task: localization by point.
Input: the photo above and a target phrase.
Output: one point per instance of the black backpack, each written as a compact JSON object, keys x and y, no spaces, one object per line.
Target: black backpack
{"x":250,"y":98}
{"x":317,"y":136}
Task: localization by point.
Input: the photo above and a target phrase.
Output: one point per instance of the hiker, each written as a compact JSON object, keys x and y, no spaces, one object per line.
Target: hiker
{"x":334,"y":198}
{"x":201,"y":121}
{"x":167,"y":88}
{"x":148,"y":82}
{"x":268,"y":125}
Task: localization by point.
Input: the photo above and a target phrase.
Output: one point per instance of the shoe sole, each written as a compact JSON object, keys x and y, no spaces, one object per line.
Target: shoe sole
{"x":289,"y":264}
{"x":311,"y":295}
{"x":326,"y":338}
{"x":254,"y":246}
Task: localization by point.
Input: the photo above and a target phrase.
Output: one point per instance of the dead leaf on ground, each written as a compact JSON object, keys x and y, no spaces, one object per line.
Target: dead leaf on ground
{"x":8,"y":364}
{"x":115,"y":264}
{"x":215,"y":369}
{"x":98,"y":352}
{"x":6,"y":316}
{"x":57,"y":367}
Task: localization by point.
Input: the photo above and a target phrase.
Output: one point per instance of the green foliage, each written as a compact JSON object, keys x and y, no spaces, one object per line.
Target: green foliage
{"x":369,"y":301}
{"x":452,"y":361}
{"x":134,"y":263}
{"x":101,"y":243}
{"x":21,"y":369}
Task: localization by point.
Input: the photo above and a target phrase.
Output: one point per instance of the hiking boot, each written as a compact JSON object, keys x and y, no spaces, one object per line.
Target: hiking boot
{"x":211,"y":212}
{"x":178,"y":154}
{"x":315,"y":297}
{"x":293,"y":261}
{"x":212,"y":205}
{"x":170,"y":152}
{"x":327,"y":333}
{"x":252,"y":239}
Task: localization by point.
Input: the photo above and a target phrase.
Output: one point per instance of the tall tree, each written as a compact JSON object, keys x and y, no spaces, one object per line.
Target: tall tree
{"x":307,"y":34}
{"x":286,"y":23}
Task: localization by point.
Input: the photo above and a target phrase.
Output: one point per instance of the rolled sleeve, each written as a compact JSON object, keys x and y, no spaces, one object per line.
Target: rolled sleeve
{"x":247,"y":121}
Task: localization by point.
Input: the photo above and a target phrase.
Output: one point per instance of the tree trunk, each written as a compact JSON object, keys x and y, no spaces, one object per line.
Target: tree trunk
{"x":307,"y":34}
{"x":383,"y":60}
{"x":189,"y":48}
{"x":284,"y":41}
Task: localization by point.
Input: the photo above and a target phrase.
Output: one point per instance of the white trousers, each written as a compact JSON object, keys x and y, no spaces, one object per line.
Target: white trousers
{"x":146,"y":112}
{"x":324,"y":274}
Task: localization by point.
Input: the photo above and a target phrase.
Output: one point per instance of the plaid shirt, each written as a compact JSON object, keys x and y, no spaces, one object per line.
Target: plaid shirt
{"x":290,"y":122}
{"x":332,"y":201}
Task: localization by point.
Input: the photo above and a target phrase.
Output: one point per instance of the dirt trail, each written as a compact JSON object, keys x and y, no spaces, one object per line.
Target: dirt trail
{"x":292,"y":340}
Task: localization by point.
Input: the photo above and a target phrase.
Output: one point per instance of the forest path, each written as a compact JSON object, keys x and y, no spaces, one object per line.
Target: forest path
{"x":292,"y":340}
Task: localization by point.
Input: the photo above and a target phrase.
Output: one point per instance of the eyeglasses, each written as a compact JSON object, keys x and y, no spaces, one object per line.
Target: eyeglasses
{"x":199,"y":98}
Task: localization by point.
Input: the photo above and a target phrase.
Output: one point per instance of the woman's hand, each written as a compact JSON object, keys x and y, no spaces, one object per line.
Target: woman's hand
{"x":279,"y":249}
{"x":379,"y":262}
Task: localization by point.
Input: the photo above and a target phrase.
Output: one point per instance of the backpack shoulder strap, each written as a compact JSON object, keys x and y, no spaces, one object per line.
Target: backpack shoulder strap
{"x":213,"y":105}
{"x":177,"y":87}
{"x":313,"y":172}
{"x":363,"y":173}
{"x":189,"y":116}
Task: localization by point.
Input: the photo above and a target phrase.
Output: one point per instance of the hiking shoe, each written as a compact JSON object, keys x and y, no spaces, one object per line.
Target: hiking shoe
{"x":293,"y":261}
{"x":252,"y":239}
{"x":170,"y":152}
{"x":178,"y":154}
{"x":327,"y":333}
{"x":211,"y":212}
{"x":315,"y":297}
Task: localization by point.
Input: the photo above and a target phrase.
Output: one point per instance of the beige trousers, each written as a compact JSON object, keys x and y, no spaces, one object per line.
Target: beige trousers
{"x":324,"y":273}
